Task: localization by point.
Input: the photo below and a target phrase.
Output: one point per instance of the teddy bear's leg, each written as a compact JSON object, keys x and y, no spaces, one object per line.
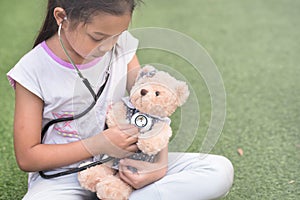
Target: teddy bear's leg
{"x":154,"y":140}
{"x":117,"y":115}
{"x":113,"y":188}
{"x":91,"y":176}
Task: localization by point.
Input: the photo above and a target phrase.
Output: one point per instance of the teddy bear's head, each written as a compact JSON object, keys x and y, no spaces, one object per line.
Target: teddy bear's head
{"x":157,"y":92}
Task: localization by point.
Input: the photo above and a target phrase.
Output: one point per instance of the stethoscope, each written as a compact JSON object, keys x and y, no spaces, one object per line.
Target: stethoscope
{"x":95,"y":96}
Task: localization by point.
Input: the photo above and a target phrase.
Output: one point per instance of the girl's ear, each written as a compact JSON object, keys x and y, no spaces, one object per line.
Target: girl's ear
{"x":59,"y":15}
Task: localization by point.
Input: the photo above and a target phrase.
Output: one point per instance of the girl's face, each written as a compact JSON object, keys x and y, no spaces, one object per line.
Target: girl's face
{"x":93,"y":39}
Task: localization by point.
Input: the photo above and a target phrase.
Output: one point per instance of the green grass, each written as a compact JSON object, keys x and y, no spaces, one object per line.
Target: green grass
{"x":255,"y":45}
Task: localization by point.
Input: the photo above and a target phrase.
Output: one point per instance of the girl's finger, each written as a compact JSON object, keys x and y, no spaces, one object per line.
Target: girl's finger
{"x":128,"y":128}
{"x":132,"y":139}
{"x":125,"y":178}
{"x":132,"y":148}
{"x":127,"y":175}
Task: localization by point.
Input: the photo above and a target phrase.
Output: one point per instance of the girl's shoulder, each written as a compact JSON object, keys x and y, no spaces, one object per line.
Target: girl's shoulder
{"x":28,"y":70}
{"x":127,"y":46}
{"x":127,"y":41}
{"x":36,"y":54}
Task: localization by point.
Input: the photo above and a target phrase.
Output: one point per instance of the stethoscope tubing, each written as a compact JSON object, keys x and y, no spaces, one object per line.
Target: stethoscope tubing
{"x":90,"y":107}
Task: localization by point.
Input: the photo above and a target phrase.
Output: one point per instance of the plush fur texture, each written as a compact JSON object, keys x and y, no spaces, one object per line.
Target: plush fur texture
{"x":154,"y":93}
{"x":113,"y":188}
{"x":91,"y":176}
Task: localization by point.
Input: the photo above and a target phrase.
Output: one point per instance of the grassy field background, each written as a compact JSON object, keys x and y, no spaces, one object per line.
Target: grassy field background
{"x":255,"y":45}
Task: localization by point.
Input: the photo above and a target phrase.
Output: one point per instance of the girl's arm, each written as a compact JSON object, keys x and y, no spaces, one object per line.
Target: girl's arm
{"x":132,"y":71}
{"x":31,"y":155}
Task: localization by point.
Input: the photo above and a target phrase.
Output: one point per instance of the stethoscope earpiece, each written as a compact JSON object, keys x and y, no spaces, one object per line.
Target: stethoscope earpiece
{"x":64,"y":19}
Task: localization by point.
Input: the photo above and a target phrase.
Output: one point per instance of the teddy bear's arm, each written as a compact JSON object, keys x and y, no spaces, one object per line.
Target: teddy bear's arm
{"x":156,"y":139}
{"x":116,"y":114}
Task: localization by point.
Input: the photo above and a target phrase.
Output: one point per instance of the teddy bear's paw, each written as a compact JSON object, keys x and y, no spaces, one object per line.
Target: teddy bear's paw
{"x":150,"y":149}
{"x":156,"y":139}
{"x":113,"y":188}
{"x":90,"y":177}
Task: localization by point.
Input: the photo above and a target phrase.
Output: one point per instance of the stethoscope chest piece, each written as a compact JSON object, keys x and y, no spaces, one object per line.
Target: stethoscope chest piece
{"x":142,"y":121}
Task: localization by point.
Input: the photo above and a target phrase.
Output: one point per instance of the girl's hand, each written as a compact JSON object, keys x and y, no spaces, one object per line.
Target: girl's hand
{"x":146,"y":172}
{"x":119,"y":141}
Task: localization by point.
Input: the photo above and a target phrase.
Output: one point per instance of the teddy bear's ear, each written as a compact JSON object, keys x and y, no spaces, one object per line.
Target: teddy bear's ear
{"x":183,"y":92}
{"x":147,"y":70}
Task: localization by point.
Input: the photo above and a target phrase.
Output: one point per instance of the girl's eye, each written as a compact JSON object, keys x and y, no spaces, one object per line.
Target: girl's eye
{"x":97,"y":40}
{"x":157,"y":93}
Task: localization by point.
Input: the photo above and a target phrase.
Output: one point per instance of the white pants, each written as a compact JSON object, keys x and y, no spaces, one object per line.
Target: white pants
{"x":190,"y":176}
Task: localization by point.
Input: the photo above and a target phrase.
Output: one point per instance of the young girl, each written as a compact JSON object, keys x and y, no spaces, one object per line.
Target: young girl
{"x":83,"y":47}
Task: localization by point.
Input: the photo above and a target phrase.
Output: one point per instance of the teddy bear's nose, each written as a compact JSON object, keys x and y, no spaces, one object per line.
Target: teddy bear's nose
{"x":144,"y":92}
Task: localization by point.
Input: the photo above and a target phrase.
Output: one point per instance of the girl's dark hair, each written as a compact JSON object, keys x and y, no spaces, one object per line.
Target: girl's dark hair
{"x":81,"y":11}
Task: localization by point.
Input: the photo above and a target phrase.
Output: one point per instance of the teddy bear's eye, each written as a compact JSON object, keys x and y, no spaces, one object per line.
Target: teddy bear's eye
{"x":157,"y":93}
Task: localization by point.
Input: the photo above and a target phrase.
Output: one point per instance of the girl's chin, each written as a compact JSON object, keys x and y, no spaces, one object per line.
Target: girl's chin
{"x":92,"y":57}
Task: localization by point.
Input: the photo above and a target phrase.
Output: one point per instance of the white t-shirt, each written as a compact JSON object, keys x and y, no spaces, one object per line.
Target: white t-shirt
{"x":64,"y":94}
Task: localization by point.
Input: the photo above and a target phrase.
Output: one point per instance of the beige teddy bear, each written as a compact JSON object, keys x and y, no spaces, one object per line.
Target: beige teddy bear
{"x":153,"y":98}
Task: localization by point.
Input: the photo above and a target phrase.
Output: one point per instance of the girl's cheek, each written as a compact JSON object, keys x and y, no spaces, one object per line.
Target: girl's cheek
{"x":84,"y":49}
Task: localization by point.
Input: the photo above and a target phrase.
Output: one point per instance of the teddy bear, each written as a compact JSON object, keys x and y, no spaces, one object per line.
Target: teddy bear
{"x":153,"y":98}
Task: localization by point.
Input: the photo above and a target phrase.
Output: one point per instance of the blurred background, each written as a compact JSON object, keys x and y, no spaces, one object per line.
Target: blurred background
{"x":255,"y":45}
